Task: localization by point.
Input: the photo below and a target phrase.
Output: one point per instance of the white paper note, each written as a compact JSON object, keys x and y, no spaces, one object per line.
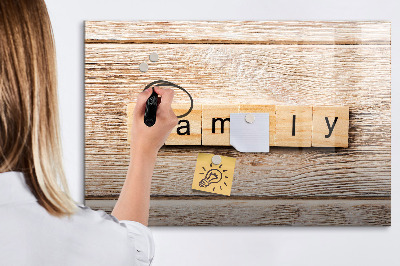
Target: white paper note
{"x":249,"y":137}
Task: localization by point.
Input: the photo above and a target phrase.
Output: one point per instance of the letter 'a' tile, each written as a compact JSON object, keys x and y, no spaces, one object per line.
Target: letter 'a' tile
{"x":293,"y":126}
{"x":260,"y":108}
{"x":330,"y":126}
{"x":216,"y":124}
{"x":188,"y":130}
{"x":189,"y":127}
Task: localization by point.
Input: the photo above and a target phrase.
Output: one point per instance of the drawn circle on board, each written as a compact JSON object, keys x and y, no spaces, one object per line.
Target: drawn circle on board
{"x":170,"y":84}
{"x":216,"y":159}
{"x":153,"y":57}
{"x":144,"y":67}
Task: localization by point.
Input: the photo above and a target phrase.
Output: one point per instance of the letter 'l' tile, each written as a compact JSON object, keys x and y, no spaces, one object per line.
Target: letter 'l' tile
{"x":330,"y":126}
{"x":216,"y":124}
{"x":293,"y":126}
{"x":188,"y":130}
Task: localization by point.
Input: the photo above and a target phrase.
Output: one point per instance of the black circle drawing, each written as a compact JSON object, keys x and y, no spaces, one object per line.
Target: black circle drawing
{"x":170,"y":84}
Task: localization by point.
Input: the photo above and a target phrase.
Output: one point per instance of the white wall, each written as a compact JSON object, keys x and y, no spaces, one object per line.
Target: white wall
{"x":238,"y":245}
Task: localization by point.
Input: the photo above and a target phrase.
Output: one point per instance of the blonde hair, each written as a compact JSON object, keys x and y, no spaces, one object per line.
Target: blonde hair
{"x":29,"y":125}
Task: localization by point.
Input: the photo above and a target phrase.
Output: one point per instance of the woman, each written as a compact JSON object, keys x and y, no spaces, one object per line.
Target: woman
{"x":39,"y":222}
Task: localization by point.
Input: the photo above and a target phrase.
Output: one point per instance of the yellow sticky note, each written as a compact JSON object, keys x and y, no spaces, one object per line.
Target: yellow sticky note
{"x":214,"y":178}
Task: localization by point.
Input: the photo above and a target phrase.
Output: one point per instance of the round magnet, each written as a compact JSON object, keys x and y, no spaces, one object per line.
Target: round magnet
{"x":250,"y":118}
{"x":153,"y":57}
{"x":216,"y":159}
{"x":144,"y":67}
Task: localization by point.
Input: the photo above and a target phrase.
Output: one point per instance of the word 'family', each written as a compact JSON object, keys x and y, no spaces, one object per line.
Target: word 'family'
{"x":289,"y":126}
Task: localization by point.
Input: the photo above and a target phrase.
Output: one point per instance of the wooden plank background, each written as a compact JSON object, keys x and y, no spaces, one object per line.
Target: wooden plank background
{"x":283,"y":63}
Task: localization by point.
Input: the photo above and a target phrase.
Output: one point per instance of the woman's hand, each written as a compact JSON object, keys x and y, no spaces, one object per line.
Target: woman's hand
{"x":150,"y":139}
{"x":134,"y":201}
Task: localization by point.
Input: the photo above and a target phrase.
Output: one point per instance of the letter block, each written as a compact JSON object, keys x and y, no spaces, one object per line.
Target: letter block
{"x":216,"y":124}
{"x":293,"y":126}
{"x":188,"y":130}
{"x":330,"y":126}
{"x":290,"y":126}
{"x":260,"y":108}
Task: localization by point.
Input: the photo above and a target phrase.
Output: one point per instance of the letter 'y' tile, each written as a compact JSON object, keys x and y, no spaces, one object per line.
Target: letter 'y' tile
{"x":293,"y":126}
{"x":330,"y":126}
{"x":216,"y":124}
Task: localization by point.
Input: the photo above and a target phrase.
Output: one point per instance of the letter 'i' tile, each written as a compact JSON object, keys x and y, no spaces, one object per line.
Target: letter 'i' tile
{"x":188,"y":130}
{"x":330,"y":126}
{"x":259,"y":108}
{"x":216,"y":124}
{"x":293,"y":126}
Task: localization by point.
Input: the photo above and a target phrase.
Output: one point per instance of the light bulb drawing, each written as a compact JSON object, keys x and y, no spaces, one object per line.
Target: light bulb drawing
{"x":214,"y":175}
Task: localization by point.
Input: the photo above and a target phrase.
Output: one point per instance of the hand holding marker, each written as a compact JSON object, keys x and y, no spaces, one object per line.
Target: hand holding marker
{"x":150,"y":118}
{"x":152,"y":102}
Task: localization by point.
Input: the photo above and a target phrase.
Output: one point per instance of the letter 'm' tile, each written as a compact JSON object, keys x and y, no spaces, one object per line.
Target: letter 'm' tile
{"x":188,"y":130}
{"x":260,"y":108}
{"x":216,"y":124}
{"x":330,"y":126}
{"x":293,"y":126}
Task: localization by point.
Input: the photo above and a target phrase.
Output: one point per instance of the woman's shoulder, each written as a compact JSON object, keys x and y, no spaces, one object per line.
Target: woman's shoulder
{"x":138,"y":236}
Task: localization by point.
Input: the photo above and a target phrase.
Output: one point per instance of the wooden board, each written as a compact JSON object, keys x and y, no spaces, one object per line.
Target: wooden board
{"x":243,"y":32}
{"x":277,"y":63}
{"x":262,"y":212}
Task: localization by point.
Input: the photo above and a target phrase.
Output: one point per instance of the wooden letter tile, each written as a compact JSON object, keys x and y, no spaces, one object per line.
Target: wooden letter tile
{"x":259,"y":108}
{"x":293,"y":126}
{"x":189,"y":127}
{"x":188,"y":130}
{"x":330,"y":126}
{"x":216,"y":124}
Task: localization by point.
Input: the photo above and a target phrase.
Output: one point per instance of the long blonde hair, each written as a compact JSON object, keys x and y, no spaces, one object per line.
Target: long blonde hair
{"x":29,"y":124}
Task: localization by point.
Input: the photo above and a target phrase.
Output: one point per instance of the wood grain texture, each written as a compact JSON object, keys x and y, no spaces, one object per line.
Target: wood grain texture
{"x":239,"y":32}
{"x":262,"y":212}
{"x":326,"y":75}
{"x":357,"y":76}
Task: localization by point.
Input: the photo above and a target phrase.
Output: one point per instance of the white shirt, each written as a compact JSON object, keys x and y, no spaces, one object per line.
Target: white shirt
{"x":29,"y":235}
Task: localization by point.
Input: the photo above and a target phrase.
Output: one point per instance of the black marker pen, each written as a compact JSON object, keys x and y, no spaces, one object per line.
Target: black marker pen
{"x":151,"y":109}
